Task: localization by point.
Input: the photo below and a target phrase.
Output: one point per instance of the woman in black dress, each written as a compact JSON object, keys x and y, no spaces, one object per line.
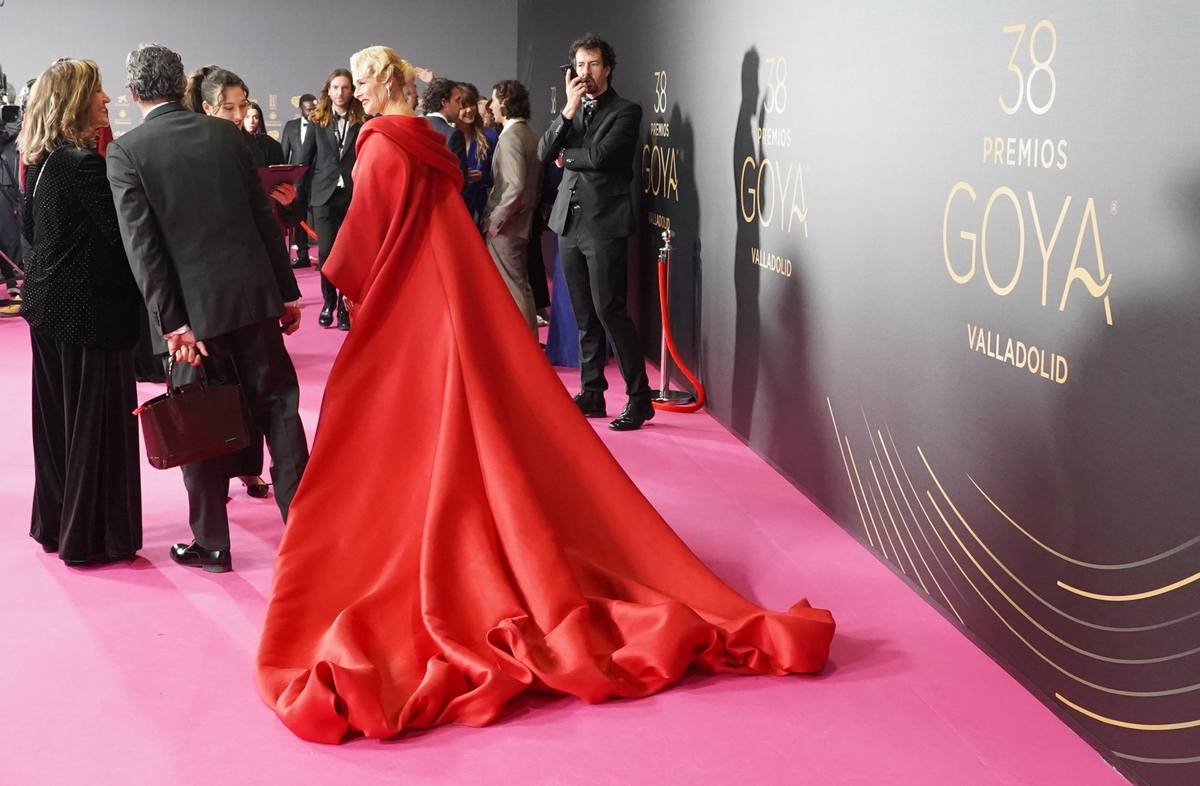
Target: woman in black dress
{"x":81,"y":302}
{"x":269,"y":151}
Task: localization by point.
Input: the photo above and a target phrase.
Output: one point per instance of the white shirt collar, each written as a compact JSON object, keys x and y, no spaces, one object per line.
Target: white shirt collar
{"x":510,"y":122}
{"x":155,"y":110}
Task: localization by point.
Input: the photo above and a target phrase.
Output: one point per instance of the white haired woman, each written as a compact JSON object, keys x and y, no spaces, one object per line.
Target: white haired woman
{"x":461,"y":534}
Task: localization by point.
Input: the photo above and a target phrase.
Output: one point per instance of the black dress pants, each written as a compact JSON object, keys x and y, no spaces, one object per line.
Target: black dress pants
{"x":87,"y":492}
{"x":596,"y":275}
{"x":256,"y":358}
{"x":535,"y":263}
{"x":328,"y":219}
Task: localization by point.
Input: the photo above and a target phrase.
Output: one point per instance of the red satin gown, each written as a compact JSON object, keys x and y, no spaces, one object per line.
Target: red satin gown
{"x":461,"y":534}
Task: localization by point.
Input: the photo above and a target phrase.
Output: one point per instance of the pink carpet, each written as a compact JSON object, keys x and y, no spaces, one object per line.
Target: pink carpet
{"x":142,"y":673}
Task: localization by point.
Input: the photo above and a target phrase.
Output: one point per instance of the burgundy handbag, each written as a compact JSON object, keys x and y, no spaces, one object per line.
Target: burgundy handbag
{"x":192,"y":422}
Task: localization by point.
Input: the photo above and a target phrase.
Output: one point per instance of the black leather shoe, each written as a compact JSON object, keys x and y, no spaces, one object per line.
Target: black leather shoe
{"x":636,"y":412}
{"x":195,"y":557}
{"x":343,"y":319}
{"x":326,"y":318}
{"x":591,"y":404}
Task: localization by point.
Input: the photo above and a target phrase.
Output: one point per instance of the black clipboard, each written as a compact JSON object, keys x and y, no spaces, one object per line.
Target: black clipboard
{"x":272,"y":176}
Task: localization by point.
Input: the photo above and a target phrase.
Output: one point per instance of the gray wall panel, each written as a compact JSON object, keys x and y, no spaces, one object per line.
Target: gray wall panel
{"x":1057,"y":520}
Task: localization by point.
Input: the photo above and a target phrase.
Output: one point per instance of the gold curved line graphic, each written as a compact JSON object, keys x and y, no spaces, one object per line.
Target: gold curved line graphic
{"x":892,"y":518}
{"x":1192,"y":724}
{"x":849,"y":477}
{"x":883,"y":525}
{"x":1135,"y":596}
{"x":1060,"y":612}
{"x":879,"y":525}
{"x":1015,"y":605}
{"x":1144,"y":760}
{"x":916,"y":546}
{"x":925,"y":513}
{"x":1081,"y":563}
{"x":866,"y":502}
{"x":1035,"y":650}
{"x":867,"y":529}
{"x":1048,"y":604}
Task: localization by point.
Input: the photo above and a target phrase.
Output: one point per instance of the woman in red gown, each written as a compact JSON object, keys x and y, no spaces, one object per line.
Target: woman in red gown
{"x":461,"y":534}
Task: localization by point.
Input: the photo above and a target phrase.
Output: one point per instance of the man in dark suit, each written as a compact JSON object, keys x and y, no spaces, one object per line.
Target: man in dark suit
{"x":209,"y":259}
{"x":442,"y":103}
{"x":292,"y":140}
{"x":327,"y":186}
{"x":515,"y":195}
{"x":595,"y":139}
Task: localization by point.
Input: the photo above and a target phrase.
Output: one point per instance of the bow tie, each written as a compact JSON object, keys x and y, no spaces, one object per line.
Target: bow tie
{"x":589,"y":104}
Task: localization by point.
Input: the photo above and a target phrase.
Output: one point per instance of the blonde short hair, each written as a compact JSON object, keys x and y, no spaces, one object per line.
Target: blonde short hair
{"x":383,"y":63}
{"x":59,"y":109}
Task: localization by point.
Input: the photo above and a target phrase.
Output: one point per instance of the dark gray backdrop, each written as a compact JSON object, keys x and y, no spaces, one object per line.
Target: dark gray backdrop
{"x":845,"y":361}
{"x":1056,"y":520}
{"x":280,"y":49}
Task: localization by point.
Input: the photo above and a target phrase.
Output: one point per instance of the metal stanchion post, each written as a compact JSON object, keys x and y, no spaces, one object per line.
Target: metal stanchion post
{"x":664,"y":392}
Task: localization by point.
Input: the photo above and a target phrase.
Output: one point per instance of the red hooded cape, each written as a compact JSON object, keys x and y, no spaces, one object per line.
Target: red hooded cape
{"x":461,"y":534}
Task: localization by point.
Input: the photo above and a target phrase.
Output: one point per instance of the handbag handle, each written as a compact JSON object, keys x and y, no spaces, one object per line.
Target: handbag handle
{"x":175,"y":390}
{"x":172,"y":388}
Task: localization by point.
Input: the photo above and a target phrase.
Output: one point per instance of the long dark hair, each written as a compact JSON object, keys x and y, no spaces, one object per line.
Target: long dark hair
{"x":209,"y":84}
{"x":470,"y":95}
{"x":324,"y":110}
{"x":262,"y":119}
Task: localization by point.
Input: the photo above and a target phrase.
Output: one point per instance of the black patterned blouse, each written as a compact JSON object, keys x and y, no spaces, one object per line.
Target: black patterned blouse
{"x":78,"y":285}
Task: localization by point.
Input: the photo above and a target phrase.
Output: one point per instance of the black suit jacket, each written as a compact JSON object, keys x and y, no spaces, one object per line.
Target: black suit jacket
{"x":598,"y":167}
{"x":326,"y":162}
{"x":290,"y":140}
{"x":199,"y":231}
{"x":454,"y":141}
{"x":78,"y":287}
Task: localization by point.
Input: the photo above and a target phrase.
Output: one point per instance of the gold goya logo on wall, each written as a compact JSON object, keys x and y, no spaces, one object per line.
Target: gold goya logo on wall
{"x":1036,"y":88}
{"x":773,"y":185}
{"x":978,"y":243}
{"x":660,"y":169}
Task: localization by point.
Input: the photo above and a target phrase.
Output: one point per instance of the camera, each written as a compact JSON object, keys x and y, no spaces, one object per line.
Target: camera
{"x":10,"y":113}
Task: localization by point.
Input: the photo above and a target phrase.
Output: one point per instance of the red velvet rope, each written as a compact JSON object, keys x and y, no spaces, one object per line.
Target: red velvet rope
{"x":671,"y":406}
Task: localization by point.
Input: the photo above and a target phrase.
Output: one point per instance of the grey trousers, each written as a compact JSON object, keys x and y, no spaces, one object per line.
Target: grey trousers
{"x":509,"y":254}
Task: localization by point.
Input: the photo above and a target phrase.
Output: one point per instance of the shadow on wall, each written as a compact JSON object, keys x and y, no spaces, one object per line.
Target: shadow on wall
{"x":747,"y":328}
{"x":669,"y":199}
{"x":687,"y":274}
{"x":774,"y":404}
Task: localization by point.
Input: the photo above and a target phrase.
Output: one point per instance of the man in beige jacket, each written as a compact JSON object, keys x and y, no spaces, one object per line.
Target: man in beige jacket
{"x":517,"y":177}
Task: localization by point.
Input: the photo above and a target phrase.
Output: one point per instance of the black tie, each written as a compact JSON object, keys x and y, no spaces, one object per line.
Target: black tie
{"x":339,"y":131}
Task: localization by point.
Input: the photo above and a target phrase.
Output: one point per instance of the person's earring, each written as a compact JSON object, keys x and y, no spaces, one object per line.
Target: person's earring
{"x":389,"y":91}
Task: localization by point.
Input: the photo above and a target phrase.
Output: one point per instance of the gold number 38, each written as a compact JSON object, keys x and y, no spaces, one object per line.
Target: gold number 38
{"x":776,"y":100}
{"x":1024,"y":85}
